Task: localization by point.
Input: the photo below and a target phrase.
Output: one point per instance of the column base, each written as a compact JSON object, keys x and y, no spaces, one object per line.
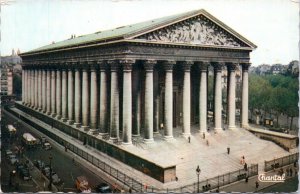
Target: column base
{"x":168,"y":138}
{"x":218,"y":130}
{"x":136,"y":135}
{"x":53,"y":114}
{"x":246,"y":126}
{"x":231,"y":127}
{"x":58,"y":117}
{"x":112,"y":139}
{"x":149,"y":141}
{"x":93,"y":132}
{"x":48,"y":113}
{"x":85,"y":128}
{"x":186,"y":135}
{"x":77,"y":125}
{"x":127,"y":143}
{"x":156,"y":132}
{"x":70,"y":122}
{"x":64,"y":119}
{"x":102,"y":134}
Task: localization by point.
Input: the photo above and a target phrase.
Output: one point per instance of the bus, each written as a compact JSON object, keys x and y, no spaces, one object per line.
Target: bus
{"x":29,"y":140}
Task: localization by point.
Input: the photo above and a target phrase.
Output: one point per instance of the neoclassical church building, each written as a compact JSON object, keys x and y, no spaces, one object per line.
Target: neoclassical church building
{"x":140,"y":79}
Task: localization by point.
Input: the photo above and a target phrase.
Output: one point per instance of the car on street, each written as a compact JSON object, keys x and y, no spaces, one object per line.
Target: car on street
{"x":46,"y":170}
{"x":39,"y":164}
{"x":82,"y":184}
{"x":55,"y":178}
{"x":47,"y":146}
{"x":103,"y":188}
{"x":24,"y":173}
{"x":13,"y":159}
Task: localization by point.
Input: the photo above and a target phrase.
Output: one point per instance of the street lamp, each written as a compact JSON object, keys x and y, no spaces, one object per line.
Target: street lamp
{"x":50,"y":184}
{"x":198,"y":174}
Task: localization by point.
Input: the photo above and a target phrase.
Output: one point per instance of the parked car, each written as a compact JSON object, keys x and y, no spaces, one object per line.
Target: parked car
{"x":46,"y":170}
{"x":24,"y":173}
{"x":103,"y":188}
{"x":8,"y":152}
{"x":13,"y":159}
{"x":55,"y":178}
{"x":39,"y":164}
{"x":82,"y":184}
{"x":47,"y":146}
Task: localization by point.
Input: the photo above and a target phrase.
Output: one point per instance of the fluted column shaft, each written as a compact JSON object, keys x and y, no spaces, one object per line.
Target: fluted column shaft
{"x":44,"y":93}
{"x":218,"y":96}
{"x":77,"y":96}
{"x":103,"y":112}
{"x":48,"y":92}
{"x":40,"y":89}
{"x":94,"y":95}
{"x":203,"y":97}
{"x":32,"y":88}
{"x":187,"y":98}
{"x":85,"y":98}
{"x":127,"y":100}
{"x":148,"y":65}
{"x":64,"y":95}
{"x":58,"y":93}
{"x":23,"y":85}
{"x":245,"y":94}
{"x":168,"y":110}
{"x":114,"y":101}
{"x":53,"y":93}
{"x":70,"y":96}
{"x":231,"y":95}
{"x":35,"y":88}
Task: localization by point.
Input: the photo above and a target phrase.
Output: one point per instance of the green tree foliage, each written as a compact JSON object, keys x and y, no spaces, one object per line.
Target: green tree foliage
{"x":274,"y":94}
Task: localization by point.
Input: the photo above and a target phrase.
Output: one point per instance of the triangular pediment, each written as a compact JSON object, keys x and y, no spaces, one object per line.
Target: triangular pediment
{"x":199,"y":30}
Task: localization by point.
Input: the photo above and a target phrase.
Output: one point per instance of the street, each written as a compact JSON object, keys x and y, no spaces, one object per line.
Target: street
{"x":62,"y":161}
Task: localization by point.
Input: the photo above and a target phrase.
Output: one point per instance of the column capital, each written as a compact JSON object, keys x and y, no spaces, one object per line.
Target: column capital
{"x":149,"y":65}
{"x":218,"y":65}
{"x":114,"y":65}
{"x":231,"y":66}
{"x":127,"y":64}
{"x":168,"y":65}
{"x":102,"y":65}
{"x":203,"y":65}
{"x":245,"y":66}
{"x":187,"y":65}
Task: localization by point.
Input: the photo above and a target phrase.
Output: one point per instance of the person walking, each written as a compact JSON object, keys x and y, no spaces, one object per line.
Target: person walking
{"x":189,"y":138}
{"x":245,"y":166}
{"x":256,"y":185}
{"x":228,"y":150}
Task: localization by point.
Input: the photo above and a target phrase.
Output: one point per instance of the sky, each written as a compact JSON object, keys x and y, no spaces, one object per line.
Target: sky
{"x":272,"y":25}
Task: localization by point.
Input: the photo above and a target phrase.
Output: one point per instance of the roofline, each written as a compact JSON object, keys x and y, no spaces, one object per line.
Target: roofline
{"x":150,"y":29}
{"x":201,"y":11}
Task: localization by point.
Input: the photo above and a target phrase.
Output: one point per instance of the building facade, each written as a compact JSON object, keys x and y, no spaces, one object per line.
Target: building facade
{"x":140,"y":79}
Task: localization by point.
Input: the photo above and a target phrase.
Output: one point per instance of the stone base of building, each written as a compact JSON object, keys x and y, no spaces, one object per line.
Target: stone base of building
{"x":161,"y":173}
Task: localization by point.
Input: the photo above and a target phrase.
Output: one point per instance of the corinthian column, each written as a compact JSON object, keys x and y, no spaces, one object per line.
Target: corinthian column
{"x":187,"y":98}
{"x":23,"y":85}
{"x":70,"y":95}
{"x":58,"y":93}
{"x":245,"y":94}
{"x":218,"y":96}
{"x":114,"y":101}
{"x":32,"y":89}
{"x":40,"y":89}
{"x":127,"y":100}
{"x":203,"y":97}
{"x":35,"y":89}
{"x":85,"y":99}
{"x":168,"y":110}
{"x":148,"y":65}
{"x":231,"y":95}
{"x":53,"y":93}
{"x":103,"y":112}
{"x":48,"y":91}
{"x":64,"y":95}
{"x":77,"y":97}
{"x":94,"y":97}
{"x":44,"y":93}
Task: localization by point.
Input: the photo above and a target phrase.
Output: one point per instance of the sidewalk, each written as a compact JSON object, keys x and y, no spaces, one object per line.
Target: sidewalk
{"x":242,"y":186}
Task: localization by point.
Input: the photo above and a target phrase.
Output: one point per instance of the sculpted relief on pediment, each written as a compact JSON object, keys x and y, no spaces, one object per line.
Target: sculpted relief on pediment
{"x":198,"y":30}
